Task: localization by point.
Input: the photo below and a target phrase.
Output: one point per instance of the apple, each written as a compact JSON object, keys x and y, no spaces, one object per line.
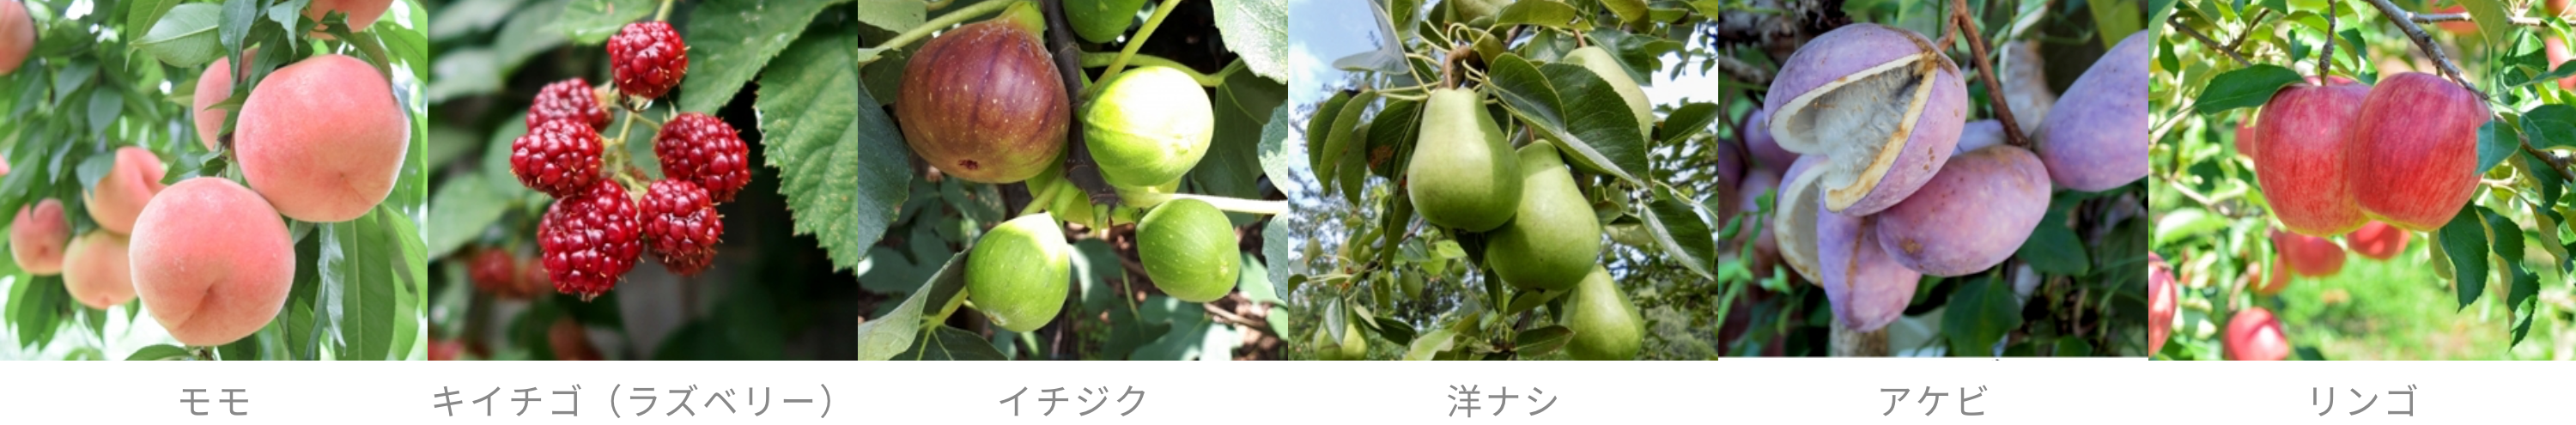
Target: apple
{"x":2377,"y":241}
{"x":2413,"y":152}
{"x":2255,"y":335}
{"x":2308,"y":256}
{"x":2301,"y":162}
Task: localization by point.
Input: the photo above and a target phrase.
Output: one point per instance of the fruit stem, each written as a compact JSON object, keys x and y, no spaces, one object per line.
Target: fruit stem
{"x":2325,"y":60}
{"x":936,"y":4}
{"x":943,"y":22}
{"x":1986,"y":71}
{"x":1137,"y":42}
{"x":1102,"y":59}
{"x":664,"y":13}
{"x":1246,"y":206}
{"x":1040,"y":200}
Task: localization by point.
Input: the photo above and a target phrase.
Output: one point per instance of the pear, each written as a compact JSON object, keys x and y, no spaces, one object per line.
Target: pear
{"x":1601,"y":63}
{"x":1462,"y":175}
{"x":1605,"y":325}
{"x":1554,"y":238}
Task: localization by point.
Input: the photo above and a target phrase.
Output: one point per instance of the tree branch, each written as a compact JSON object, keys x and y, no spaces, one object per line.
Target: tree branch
{"x":2425,"y":42}
{"x":1986,"y":71}
{"x":2429,"y":18}
{"x":2204,"y":40}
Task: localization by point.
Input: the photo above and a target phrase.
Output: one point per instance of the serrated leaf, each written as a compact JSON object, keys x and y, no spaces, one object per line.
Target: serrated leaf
{"x":461,"y":209}
{"x":841,"y":163}
{"x":591,"y":22}
{"x":1980,"y":312}
{"x":1257,"y":31}
{"x":185,"y":37}
{"x":2243,"y":88}
{"x":2551,"y":126}
{"x":730,"y":41}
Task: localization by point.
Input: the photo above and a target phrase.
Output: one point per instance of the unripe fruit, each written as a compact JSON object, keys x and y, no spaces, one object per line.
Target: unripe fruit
{"x":129,"y":185}
{"x":1799,"y":204}
{"x":1883,"y":103}
{"x":362,"y":13}
{"x":2095,"y":138}
{"x":323,"y":139}
{"x":1353,"y":345}
{"x":1867,"y":288}
{"x":2254,"y":335}
{"x":1101,"y":21}
{"x":982,"y":102}
{"x":1149,"y":125}
{"x":2301,"y":162}
{"x":1602,"y":64}
{"x":1189,"y":251}
{"x":2414,"y":151}
{"x":2308,"y":256}
{"x":17,"y":36}
{"x":211,"y":261}
{"x":1605,"y":325}
{"x":1758,"y":141}
{"x":2162,"y":301}
{"x":1971,"y":216}
{"x":1019,"y":272}
{"x":96,"y":271}
{"x":37,"y":236}
{"x":2377,"y":241}
{"x":1554,"y":238}
{"x":1463,"y":175}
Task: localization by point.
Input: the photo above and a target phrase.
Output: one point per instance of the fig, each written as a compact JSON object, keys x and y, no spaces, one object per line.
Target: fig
{"x":1462,"y":175}
{"x":2300,"y":162}
{"x":1554,"y":238}
{"x":2414,"y":151}
{"x":1973,"y":214}
{"x":2162,"y":300}
{"x":1019,"y":272}
{"x":1353,"y":345}
{"x":2255,"y":335}
{"x":1605,"y":325}
{"x":1148,"y":126}
{"x":1798,"y":204}
{"x":1101,"y":21}
{"x":1867,"y":287}
{"x":1189,"y":251}
{"x":983,"y":102}
{"x":1758,"y":141}
{"x":1147,"y":196}
{"x":1601,"y":63}
{"x":2377,"y":241}
{"x":1883,"y":103}
{"x":2095,"y":138}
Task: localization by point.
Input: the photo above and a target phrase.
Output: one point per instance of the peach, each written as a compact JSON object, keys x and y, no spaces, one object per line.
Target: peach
{"x":2377,"y":241}
{"x":362,"y":13}
{"x":1868,"y":288}
{"x":211,"y":261}
{"x":1974,"y":214}
{"x":2308,"y":256}
{"x":129,"y":184}
{"x":36,"y":238}
{"x":2301,"y":162}
{"x":2095,"y":138}
{"x":96,"y":271}
{"x":17,"y":36}
{"x":2255,"y":335}
{"x":323,"y":139}
{"x":213,"y":86}
{"x":2413,"y":152}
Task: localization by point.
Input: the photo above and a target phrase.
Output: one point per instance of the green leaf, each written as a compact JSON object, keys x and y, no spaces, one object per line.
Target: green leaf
{"x":1681,"y":231}
{"x":2243,"y":88}
{"x":159,"y":352}
{"x":1688,"y":120}
{"x":591,"y":22}
{"x":1394,"y":131}
{"x":841,"y":163}
{"x":1232,"y":166}
{"x":1254,"y":281}
{"x":946,"y":343}
{"x":185,"y":37}
{"x":2496,"y":143}
{"x":889,"y":336}
{"x":1276,"y":162}
{"x":1257,"y":31}
{"x":2551,"y":126}
{"x":892,"y":15}
{"x":1629,"y":11}
{"x":1430,"y":345}
{"x":1545,"y":13}
{"x":357,"y":264}
{"x":2464,"y":240}
{"x":730,"y":41}
{"x":1536,"y":342}
{"x":1394,"y":330}
{"x":2493,"y":20}
{"x":2186,"y":222}
{"x":1980,"y":312}
{"x":2053,"y":248}
{"x":461,"y":209}
{"x":1576,"y":108}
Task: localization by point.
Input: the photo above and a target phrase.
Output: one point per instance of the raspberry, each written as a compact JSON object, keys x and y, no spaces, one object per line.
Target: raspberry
{"x":681,"y":225}
{"x":560,"y":158}
{"x":495,"y":271}
{"x":702,"y":149}
{"x":568,"y":100}
{"x":590,"y":241}
{"x":648,"y":58}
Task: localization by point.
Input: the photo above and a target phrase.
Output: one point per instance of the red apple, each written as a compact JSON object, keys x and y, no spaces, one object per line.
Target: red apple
{"x":2301,"y":167}
{"x":2414,"y":151}
{"x":2457,"y":27}
{"x":2162,"y":295}
{"x":2255,"y":335}
{"x":2557,"y":52}
{"x":2308,"y":256}
{"x":2246,"y":143}
{"x":2377,"y":241}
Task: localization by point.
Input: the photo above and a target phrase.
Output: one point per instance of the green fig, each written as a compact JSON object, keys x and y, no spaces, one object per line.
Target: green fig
{"x":1101,"y":21}
{"x":1353,"y":346}
{"x":1605,"y":325}
{"x":1019,"y":272}
{"x":1149,"y":125}
{"x":1189,"y":251}
{"x":1554,"y":238}
{"x":1601,"y":63}
{"x":1462,"y":175}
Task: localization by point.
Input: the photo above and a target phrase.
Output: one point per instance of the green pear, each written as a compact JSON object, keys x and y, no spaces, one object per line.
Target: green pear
{"x":1188,"y":248}
{"x":1605,"y":325}
{"x":1554,"y":238}
{"x":1353,"y":346}
{"x":1462,"y":175}
{"x":1019,"y":272}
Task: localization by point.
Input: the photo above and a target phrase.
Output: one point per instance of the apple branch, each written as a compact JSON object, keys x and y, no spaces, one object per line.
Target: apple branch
{"x":2213,"y":44}
{"x":1986,"y":71}
{"x":2429,"y":18}
{"x":2425,"y":42}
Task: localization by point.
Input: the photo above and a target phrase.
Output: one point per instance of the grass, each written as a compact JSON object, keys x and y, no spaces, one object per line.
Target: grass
{"x":2398,"y":309}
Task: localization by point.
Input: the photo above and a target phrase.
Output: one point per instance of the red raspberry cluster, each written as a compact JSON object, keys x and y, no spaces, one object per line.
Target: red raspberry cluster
{"x":596,"y":230}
